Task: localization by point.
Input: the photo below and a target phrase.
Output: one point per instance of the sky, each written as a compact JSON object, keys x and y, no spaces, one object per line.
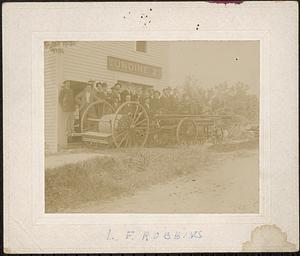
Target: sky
{"x":214,"y":62}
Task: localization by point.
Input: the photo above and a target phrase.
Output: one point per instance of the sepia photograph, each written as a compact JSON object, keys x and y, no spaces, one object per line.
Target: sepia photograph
{"x":152,"y":126}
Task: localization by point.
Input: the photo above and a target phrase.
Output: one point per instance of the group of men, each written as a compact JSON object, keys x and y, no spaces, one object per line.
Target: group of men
{"x":153,"y":100}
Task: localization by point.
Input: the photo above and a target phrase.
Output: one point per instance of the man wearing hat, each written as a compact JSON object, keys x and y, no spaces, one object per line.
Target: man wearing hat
{"x":86,"y":97}
{"x":155,"y":104}
{"x":114,"y":100}
{"x":125,"y":96}
{"x":116,"y":91}
{"x":115,"y":97}
{"x":144,"y":94}
{"x":101,"y":90}
{"x":133,"y":94}
{"x":102,"y":94}
{"x":147,"y":104}
{"x":166,"y":101}
{"x":67,"y":103}
{"x":117,"y":87}
{"x":66,"y":97}
{"x":174,"y":98}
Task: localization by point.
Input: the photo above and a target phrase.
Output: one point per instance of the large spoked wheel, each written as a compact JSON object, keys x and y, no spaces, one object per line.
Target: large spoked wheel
{"x":186,"y":132}
{"x":92,"y":115}
{"x":130,"y":126}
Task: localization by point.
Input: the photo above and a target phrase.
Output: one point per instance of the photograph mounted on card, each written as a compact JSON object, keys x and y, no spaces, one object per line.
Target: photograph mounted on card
{"x":142,"y":132}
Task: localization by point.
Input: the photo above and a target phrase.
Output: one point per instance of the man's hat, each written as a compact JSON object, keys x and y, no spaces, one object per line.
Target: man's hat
{"x":157,"y":92}
{"x":102,"y":84}
{"x":116,"y":84}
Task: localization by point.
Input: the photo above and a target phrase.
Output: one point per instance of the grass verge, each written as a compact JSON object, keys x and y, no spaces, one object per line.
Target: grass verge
{"x":105,"y":177}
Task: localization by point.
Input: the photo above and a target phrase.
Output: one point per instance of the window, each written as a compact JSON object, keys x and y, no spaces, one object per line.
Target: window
{"x":141,"y":46}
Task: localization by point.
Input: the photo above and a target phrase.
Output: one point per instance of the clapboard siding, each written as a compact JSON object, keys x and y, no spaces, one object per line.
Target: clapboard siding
{"x":50,"y":101}
{"x":88,"y":61}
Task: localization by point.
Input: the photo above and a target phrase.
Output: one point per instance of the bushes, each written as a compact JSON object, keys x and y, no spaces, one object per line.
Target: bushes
{"x":224,"y":99}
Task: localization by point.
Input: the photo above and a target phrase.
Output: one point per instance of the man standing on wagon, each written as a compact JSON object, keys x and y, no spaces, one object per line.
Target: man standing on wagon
{"x":115,"y":97}
{"x":101,"y":90}
{"x":155,"y":103}
{"x":166,"y":101}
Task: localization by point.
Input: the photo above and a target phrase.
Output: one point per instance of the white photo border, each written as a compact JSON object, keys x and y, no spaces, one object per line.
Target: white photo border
{"x":27,"y":25}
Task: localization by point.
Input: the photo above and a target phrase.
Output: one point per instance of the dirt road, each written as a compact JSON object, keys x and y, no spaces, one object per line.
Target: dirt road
{"x":229,"y":184}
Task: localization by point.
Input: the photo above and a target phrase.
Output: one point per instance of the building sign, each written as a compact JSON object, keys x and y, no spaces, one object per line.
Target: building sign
{"x":133,"y":67}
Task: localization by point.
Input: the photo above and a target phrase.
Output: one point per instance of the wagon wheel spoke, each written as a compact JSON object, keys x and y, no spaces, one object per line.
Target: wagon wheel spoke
{"x":94,"y":110}
{"x":132,"y":118}
{"x":135,"y":114}
{"x":123,"y":139}
{"x":121,"y":133}
{"x":141,"y":128}
{"x":140,"y":122}
{"x":139,"y":116}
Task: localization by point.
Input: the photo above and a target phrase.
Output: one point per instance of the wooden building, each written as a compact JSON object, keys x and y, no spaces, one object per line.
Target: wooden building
{"x":132,"y":63}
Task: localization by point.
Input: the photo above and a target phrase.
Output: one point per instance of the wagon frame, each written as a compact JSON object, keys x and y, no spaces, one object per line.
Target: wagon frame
{"x":131,"y":125}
